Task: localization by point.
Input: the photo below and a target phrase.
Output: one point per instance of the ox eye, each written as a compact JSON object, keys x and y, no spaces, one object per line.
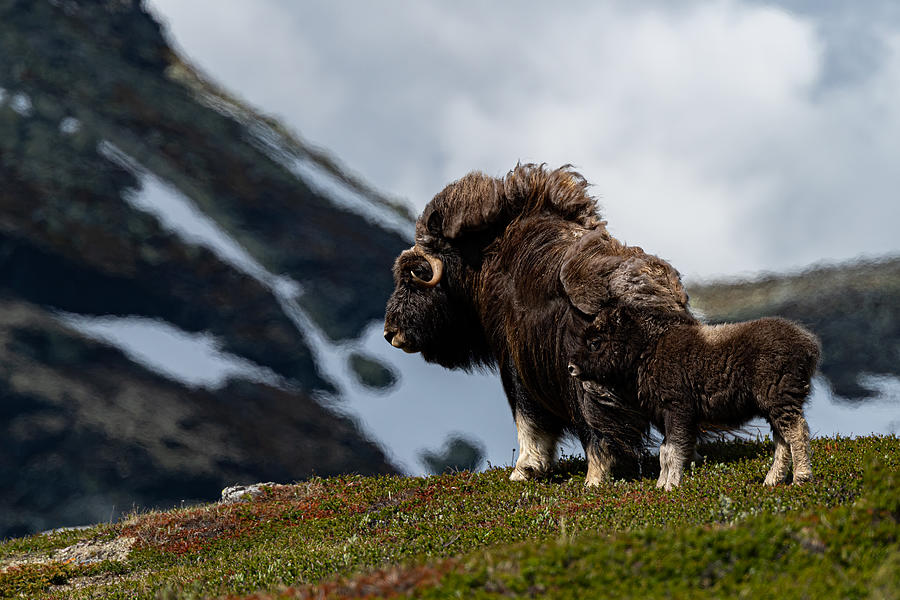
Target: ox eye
{"x":594,"y":345}
{"x":421,"y":272}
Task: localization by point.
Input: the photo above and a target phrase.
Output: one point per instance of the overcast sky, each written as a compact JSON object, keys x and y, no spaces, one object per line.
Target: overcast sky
{"x":727,"y":137}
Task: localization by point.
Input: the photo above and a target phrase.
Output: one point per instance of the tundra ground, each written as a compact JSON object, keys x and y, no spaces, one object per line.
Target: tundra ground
{"x":480,"y":535}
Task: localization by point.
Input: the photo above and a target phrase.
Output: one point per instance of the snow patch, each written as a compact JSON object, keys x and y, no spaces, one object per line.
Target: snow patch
{"x":195,"y":359}
{"x":179,"y":215}
{"x":326,"y":184}
{"x":69,"y":126}
{"x":296,"y":158}
{"x":21,"y":103}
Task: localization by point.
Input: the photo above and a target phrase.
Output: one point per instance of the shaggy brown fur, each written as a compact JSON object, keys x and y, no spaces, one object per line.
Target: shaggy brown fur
{"x":683,"y":373}
{"x":630,"y":275}
{"x":500,"y":300}
{"x":478,"y":202}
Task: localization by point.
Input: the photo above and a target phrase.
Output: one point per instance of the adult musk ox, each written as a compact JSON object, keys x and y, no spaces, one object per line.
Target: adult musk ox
{"x":486,"y":286}
{"x":683,"y":373}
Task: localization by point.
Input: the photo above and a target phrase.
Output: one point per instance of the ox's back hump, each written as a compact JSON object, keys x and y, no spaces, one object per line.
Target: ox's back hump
{"x":772,"y":342}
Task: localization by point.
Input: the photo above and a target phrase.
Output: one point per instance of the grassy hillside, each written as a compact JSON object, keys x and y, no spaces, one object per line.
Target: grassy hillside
{"x":479,"y":535}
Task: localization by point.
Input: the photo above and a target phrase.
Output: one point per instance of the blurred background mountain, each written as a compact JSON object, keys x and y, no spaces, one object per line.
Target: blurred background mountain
{"x":150,"y":221}
{"x":95,"y":111}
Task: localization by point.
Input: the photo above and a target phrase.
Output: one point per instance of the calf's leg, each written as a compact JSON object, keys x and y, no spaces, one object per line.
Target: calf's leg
{"x":681,"y":438}
{"x":663,"y":464}
{"x":797,"y":435}
{"x":780,"y":466}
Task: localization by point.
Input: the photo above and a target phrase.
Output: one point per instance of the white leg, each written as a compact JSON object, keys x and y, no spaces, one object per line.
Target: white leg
{"x":599,"y":464}
{"x":779,"y":470}
{"x":537,"y":451}
{"x":798,"y":438}
{"x":677,"y":459}
{"x":663,"y":465}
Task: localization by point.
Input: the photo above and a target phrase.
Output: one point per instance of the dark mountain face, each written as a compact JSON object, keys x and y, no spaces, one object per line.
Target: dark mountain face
{"x":92,"y":102}
{"x":112,"y":86}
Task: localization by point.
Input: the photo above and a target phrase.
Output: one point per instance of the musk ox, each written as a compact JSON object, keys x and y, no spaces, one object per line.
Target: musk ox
{"x":485,"y":286}
{"x":684,"y":373}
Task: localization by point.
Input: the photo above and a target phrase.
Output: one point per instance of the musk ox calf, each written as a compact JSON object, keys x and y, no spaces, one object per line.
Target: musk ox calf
{"x":486,"y":286}
{"x":684,"y":373}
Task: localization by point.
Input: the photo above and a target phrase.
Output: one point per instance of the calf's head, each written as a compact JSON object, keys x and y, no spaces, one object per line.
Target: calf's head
{"x":606,"y":350}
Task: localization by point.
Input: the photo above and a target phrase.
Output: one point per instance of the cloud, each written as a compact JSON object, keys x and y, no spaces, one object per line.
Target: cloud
{"x":724,"y":136}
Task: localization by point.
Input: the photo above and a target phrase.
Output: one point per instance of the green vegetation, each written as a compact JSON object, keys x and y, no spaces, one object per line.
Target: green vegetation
{"x":478,"y":535}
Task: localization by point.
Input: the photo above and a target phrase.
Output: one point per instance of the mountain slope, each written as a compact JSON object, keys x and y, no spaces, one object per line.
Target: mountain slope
{"x":97,"y":113}
{"x":215,"y":159}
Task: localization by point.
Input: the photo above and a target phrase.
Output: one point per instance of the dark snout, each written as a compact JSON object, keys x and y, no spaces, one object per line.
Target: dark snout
{"x":574,"y":370}
{"x":393,"y":337}
{"x":396,"y":339}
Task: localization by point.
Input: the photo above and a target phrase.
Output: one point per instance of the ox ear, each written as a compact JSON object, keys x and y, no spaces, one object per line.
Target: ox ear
{"x":648,"y":282}
{"x":435,"y":224}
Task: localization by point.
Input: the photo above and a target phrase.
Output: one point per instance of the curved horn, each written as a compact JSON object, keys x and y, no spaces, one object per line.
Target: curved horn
{"x":437,"y":269}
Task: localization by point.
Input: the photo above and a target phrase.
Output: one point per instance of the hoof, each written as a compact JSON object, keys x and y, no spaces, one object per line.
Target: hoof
{"x":773,"y":479}
{"x":524,"y":474}
{"x":802,"y":477}
{"x":517,"y":475}
{"x":596,"y":481}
